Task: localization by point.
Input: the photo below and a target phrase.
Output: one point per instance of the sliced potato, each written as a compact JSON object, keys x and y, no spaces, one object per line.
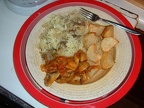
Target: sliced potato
{"x":75,"y":80}
{"x":108,"y":43}
{"x":108,"y":31}
{"x":71,"y":65}
{"x":108,"y":59}
{"x":91,"y":63}
{"x":96,"y":75}
{"x":92,"y":54}
{"x":84,"y":77}
{"x":98,"y":29}
{"x":93,"y":70}
{"x":90,"y":38}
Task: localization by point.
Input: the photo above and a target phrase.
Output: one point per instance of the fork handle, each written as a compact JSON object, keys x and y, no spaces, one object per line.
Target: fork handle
{"x":127,"y":29}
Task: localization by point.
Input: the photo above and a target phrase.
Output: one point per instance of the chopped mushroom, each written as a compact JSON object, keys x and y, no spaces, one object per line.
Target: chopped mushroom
{"x":50,"y":78}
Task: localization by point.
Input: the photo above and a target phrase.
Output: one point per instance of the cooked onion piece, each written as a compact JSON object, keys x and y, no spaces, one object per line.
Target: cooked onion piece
{"x":76,"y":58}
{"x":71,"y":65}
{"x":108,"y":43}
{"x":84,"y":77}
{"x":82,"y":67}
{"x":83,"y":56}
{"x":76,"y":79}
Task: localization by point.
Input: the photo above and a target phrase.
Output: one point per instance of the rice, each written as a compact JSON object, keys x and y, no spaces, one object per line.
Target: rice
{"x":62,"y":34}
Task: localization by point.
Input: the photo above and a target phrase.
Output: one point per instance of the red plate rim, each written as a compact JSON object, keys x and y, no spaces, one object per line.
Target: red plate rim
{"x":40,"y":95}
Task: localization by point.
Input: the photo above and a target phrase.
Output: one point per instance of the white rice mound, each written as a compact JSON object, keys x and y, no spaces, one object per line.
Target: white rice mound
{"x":68,"y":29}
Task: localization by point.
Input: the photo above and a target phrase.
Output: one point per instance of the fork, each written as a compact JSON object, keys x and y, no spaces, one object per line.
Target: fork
{"x":94,"y":17}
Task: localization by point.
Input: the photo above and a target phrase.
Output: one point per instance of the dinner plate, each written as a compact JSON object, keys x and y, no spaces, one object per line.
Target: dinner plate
{"x":102,"y":93}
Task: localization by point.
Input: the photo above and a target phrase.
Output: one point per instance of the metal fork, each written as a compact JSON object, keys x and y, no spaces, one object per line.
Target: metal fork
{"x":94,"y":17}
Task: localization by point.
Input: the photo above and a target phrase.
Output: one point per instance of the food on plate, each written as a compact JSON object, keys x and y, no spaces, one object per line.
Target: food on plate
{"x":108,"y":31}
{"x":97,"y":28}
{"x":91,"y":38}
{"x":108,"y":43}
{"x":92,"y":53}
{"x":75,"y":50}
{"x":108,"y":59}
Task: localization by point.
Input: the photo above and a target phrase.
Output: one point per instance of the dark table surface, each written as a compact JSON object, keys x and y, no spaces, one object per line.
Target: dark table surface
{"x":137,"y":91}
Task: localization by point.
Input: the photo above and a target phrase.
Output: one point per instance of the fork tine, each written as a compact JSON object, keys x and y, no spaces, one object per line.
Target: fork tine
{"x":94,"y":17}
{"x":86,"y":11}
{"x":86,"y":14}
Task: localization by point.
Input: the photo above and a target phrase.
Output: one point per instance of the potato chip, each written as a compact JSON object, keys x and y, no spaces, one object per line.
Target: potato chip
{"x":98,"y":29}
{"x":108,"y":31}
{"x":108,"y":59}
{"x":92,"y":53}
{"x":91,"y":38}
{"x":93,"y":70}
{"x":108,"y":43}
